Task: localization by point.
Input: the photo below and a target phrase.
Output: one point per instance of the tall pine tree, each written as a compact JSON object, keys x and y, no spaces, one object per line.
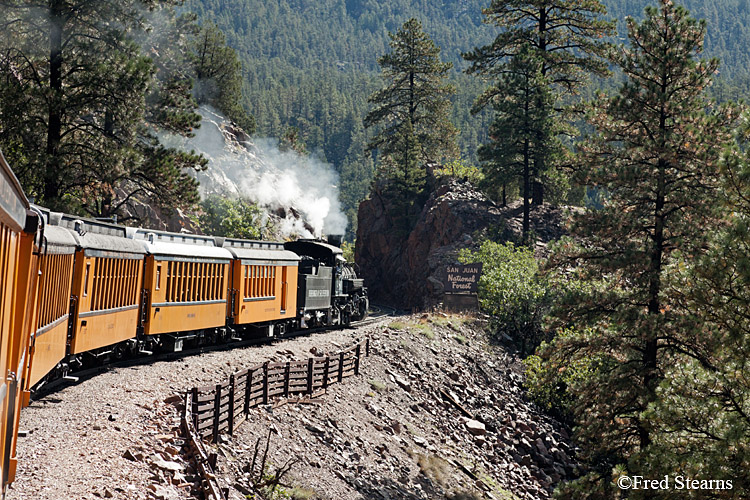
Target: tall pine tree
{"x":704,"y":405}
{"x":563,"y":40}
{"x":411,"y":112}
{"x":218,"y":75}
{"x":521,"y":115}
{"x":655,"y":156}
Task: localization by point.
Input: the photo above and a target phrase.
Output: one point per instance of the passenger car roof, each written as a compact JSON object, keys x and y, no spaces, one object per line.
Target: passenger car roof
{"x":183,"y":246}
{"x":59,"y":240}
{"x":96,"y":238}
{"x":259,"y":250}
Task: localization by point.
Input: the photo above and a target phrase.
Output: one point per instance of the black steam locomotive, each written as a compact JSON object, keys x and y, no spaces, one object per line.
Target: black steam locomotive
{"x":328,"y":290}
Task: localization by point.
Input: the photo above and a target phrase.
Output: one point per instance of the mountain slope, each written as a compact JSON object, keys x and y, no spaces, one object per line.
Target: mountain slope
{"x":311,"y":64}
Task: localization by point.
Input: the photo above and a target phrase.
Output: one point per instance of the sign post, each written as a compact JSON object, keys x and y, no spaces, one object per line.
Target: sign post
{"x":461,"y":283}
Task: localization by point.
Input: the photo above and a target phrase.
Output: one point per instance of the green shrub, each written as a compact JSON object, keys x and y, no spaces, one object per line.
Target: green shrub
{"x":231,"y":218}
{"x":412,"y":326}
{"x":377,"y":385}
{"x":548,"y":381}
{"x":512,"y":291}
{"x":459,"y":169}
{"x":348,"y":249}
{"x":397,"y":325}
{"x":425,"y":330}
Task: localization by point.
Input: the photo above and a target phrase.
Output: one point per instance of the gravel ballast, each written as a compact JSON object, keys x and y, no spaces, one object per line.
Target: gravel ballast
{"x":76,"y":438}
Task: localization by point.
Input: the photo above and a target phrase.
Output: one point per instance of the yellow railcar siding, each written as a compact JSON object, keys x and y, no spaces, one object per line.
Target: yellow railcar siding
{"x":108,"y":312}
{"x":263,"y":292}
{"x":104,"y":329}
{"x":8,"y":251}
{"x":193,"y":299}
{"x":51,"y":329}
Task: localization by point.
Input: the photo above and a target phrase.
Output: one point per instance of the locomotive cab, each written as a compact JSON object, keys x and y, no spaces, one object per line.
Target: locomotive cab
{"x":329,"y":292}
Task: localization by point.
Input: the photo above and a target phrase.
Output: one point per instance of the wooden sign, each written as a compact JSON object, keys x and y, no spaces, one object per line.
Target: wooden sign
{"x":462,"y":277}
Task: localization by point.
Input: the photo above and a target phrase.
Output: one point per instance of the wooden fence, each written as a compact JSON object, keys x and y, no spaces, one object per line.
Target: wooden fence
{"x":204,"y":463}
{"x":218,"y":409}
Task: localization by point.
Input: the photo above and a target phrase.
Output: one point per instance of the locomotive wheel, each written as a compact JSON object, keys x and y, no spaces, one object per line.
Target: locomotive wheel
{"x":364,"y":305}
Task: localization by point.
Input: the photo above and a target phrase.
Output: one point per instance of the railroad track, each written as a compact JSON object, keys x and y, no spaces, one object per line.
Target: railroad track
{"x":376,"y":313}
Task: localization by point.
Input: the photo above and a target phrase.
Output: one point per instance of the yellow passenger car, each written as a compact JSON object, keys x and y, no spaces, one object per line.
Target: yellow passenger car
{"x":49,"y":340}
{"x":264,"y":282}
{"x":17,"y":285}
{"x":186,"y":283}
{"x":107,"y":276}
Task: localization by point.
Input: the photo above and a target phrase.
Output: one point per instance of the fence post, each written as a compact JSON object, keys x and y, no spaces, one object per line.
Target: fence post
{"x":367,"y":347}
{"x":248,"y":390}
{"x":231,"y":405}
{"x":265,"y":383}
{"x":195,"y":408}
{"x":217,"y":411}
{"x":286,"y":379}
{"x":325,"y":376}
{"x":189,"y":401}
{"x":310,"y":378}
{"x":358,"y":352}
{"x":341,"y":366}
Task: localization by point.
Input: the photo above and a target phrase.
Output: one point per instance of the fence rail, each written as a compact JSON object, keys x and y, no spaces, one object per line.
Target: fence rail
{"x":217,"y":409}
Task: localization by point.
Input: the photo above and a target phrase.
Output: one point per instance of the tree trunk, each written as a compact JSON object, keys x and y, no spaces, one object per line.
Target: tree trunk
{"x":651,"y":347}
{"x":526,"y":194}
{"x":52,"y":174}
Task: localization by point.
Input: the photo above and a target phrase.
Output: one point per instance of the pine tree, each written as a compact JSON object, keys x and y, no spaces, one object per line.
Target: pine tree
{"x":563,"y":39}
{"x":655,"y":156}
{"x":411,"y":112}
{"x":84,"y":128}
{"x":218,"y":75}
{"x":521,"y":116}
{"x":356,"y":176}
{"x":705,"y":407}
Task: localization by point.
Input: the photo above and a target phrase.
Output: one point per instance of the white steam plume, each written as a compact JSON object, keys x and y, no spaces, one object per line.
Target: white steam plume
{"x":284,"y":182}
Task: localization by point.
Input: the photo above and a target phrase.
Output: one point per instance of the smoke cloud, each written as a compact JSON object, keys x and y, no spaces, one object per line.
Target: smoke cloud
{"x":282,"y":182}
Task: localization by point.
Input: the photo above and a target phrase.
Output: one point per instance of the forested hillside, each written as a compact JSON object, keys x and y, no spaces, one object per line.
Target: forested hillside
{"x":727,"y":22}
{"x":312,"y":64}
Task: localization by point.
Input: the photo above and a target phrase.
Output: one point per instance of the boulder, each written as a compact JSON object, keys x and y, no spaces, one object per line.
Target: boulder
{"x":476,"y":427}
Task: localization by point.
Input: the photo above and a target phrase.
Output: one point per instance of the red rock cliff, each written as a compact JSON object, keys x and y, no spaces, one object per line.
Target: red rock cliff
{"x":405,"y":270}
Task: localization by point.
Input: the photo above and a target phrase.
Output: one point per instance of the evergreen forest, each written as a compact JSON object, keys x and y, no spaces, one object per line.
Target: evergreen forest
{"x":310,"y":66}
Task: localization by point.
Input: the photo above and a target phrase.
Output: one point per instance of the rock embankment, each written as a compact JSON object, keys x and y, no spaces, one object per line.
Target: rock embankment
{"x":405,"y":268}
{"x":436,"y":413}
{"x":116,"y":435}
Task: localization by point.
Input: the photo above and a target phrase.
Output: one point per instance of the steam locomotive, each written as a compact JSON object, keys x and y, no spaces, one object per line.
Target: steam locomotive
{"x":76,"y":290}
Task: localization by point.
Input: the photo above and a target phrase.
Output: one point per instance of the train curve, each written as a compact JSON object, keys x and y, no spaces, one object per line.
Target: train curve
{"x":79,"y":292}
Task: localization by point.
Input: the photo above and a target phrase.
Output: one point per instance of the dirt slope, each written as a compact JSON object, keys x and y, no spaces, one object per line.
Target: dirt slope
{"x":389,"y":433}
{"x":435,"y":413}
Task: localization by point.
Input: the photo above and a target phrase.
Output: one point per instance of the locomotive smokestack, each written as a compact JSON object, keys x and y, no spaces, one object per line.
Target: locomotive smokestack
{"x":335,"y":239}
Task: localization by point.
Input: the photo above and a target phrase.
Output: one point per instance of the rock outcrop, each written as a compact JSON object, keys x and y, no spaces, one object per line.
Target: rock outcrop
{"x":406,"y":269}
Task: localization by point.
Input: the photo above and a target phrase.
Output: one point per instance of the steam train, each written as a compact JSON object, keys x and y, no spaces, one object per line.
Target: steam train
{"x":75,"y":290}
